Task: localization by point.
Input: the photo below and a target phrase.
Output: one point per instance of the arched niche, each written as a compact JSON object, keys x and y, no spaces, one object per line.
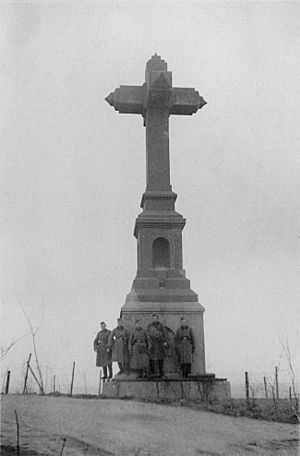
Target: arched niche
{"x":161,"y":253}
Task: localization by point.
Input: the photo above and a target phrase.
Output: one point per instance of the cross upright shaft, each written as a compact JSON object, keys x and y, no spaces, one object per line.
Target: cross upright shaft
{"x":156,"y":100}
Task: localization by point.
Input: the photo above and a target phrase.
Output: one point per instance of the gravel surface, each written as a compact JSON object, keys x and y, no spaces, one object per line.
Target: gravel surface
{"x":115,"y":427}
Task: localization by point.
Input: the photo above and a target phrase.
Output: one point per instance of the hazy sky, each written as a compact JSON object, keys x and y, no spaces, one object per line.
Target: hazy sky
{"x":73,"y":172}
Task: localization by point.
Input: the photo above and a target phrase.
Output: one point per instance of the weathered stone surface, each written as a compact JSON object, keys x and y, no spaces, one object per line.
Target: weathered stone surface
{"x":160,"y":285}
{"x":170,"y":313}
{"x":201,"y":388}
{"x":157,"y":92}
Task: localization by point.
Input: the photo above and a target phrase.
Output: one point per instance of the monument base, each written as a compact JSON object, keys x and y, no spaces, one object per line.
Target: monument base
{"x":169,"y":313}
{"x":204,"y":387}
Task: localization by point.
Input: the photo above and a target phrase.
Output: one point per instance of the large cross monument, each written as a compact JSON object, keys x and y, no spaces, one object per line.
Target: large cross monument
{"x":160,"y":285}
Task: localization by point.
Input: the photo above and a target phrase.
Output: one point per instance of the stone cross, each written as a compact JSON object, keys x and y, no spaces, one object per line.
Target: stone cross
{"x":160,"y":285}
{"x":156,"y":100}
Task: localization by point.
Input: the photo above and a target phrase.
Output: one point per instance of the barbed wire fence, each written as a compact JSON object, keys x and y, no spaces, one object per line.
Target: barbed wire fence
{"x":261,"y":384}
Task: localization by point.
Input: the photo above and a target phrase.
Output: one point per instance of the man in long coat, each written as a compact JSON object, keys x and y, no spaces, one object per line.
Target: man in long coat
{"x":103,"y":358}
{"x":184,"y":347}
{"x":118,"y":344}
{"x":158,"y":343}
{"x":138,"y":350}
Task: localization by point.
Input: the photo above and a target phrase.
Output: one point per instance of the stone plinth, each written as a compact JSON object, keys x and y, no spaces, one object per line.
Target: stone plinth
{"x":205,"y":387}
{"x":169,"y":314}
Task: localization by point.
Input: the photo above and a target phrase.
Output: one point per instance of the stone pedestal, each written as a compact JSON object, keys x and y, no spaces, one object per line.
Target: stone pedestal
{"x":206,"y":388}
{"x":169,"y":314}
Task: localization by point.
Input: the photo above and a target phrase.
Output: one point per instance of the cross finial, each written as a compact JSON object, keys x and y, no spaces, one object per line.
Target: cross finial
{"x":156,"y":63}
{"x":157,"y":93}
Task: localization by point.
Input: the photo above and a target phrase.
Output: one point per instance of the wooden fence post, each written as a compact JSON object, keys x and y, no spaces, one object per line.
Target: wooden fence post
{"x":99,"y":390}
{"x":72,"y":381}
{"x":53,"y":384}
{"x":276,"y":382}
{"x":26,"y":374}
{"x":266,"y":389}
{"x":35,"y":378}
{"x":7,"y":382}
{"x":247,"y":387}
{"x":18,"y":433}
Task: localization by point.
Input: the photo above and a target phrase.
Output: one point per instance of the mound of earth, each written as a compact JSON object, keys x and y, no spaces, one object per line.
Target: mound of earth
{"x":51,"y":425}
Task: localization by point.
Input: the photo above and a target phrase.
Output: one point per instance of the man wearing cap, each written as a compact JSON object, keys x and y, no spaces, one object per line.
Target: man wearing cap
{"x":158,"y":343}
{"x":184,"y":347}
{"x":103,"y":356}
{"x":138,"y":350}
{"x":118,"y":345}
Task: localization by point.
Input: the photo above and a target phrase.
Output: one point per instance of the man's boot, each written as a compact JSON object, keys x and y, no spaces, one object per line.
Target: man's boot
{"x":126,"y":368}
{"x":160,"y":367}
{"x":188,"y":369}
{"x":146,"y":373}
{"x":104,"y":377}
{"x":110,"y":372}
{"x":183,"y":370}
{"x":152,"y":367}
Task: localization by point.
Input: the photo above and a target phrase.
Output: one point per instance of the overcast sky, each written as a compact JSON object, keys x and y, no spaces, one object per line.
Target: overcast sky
{"x":73,"y":172}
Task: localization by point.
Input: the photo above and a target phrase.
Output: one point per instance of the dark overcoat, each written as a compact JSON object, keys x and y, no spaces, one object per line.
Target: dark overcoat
{"x":184,"y":344}
{"x":103,"y":358}
{"x":158,"y":340}
{"x":138,"y":346}
{"x":118,"y":343}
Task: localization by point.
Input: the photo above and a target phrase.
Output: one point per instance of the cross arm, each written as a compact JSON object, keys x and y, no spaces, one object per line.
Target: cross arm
{"x":128,"y":99}
{"x":137,"y":99}
{"x":185,"y":101}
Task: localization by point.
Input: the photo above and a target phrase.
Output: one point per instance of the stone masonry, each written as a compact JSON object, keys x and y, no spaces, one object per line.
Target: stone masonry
{"x":161,"y":285}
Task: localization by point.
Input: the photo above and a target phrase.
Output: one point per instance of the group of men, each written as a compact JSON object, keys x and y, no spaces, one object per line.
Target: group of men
{"x":143,"y":350}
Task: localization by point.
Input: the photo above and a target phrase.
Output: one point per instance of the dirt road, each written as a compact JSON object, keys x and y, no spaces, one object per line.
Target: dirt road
{"x":115,"y":427}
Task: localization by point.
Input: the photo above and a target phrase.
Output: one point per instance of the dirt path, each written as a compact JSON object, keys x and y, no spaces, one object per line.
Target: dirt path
{"x":116,"y":427}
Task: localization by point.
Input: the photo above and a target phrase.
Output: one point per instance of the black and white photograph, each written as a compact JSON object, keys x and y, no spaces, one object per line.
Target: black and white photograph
{"x":150,"y":227}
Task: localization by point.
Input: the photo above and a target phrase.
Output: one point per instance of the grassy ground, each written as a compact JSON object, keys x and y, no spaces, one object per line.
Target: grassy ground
{"x":8,"y":450}
{"x":260,"y":409}
{"x":281,"y":410}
